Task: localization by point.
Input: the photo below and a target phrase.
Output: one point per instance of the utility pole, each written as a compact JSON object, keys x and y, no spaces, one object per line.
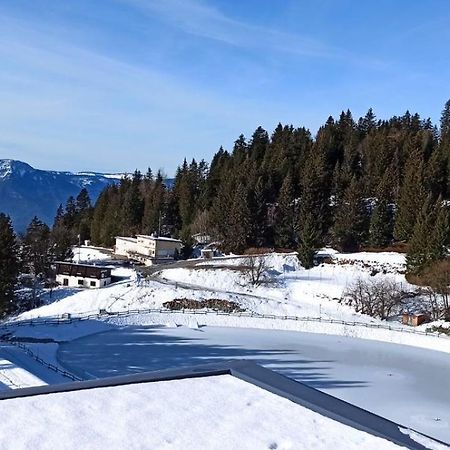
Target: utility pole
{"x":159,"y":224}
{"x":79,"y":248}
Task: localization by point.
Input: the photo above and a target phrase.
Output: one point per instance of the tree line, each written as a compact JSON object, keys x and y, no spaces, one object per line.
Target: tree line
{"x":32,"y":254}
{"x":357,"y":183}
{"x":364,"y":182}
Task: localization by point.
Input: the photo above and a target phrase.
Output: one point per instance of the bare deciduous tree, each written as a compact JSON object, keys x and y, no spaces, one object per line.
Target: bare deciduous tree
{"x":376,"y":298}
{"x":436,"y":279}
{"x":255,"y":268}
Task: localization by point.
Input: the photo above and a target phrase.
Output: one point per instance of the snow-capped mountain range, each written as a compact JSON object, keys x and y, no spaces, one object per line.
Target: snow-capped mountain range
{"x":26,"y":192}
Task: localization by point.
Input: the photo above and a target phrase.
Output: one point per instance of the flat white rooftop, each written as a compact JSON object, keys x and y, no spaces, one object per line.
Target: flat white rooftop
{"x":157,"y":238}
{"x":146,"y":236}
{"x":216,"y":412}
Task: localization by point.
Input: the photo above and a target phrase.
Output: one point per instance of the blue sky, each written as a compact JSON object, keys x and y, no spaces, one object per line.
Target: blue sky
{"x":114,"y":85}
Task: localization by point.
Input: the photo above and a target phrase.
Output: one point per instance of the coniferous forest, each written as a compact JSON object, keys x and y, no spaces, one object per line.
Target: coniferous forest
{"x":359,"y":183}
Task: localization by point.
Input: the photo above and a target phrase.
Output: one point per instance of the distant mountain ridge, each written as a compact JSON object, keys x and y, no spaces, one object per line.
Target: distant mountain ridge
{"x":26,"y":192}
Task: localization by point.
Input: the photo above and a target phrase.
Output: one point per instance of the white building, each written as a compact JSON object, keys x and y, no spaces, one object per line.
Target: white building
{"x":82,"y":275}
{"x":148,"y":249}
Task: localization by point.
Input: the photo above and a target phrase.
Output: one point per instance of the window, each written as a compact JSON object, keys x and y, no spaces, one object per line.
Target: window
{"x":65,"y":282}
{"x":80,"y":282}
{"x":92,"y":283}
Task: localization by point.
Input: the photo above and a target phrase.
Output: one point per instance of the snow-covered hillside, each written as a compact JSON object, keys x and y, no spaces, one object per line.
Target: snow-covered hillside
{"x":107,"y":344}
{"x":26,"y":192}
{"x":289,"y":290}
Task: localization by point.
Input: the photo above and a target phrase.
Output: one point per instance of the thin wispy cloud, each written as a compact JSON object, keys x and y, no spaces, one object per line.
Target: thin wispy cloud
{"x":55,"y":95}
{"x":129,"y":83}
{"x":200,"y":19}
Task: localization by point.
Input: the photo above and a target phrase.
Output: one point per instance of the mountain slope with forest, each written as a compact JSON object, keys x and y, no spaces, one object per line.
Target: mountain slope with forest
{"x":26,"y":192}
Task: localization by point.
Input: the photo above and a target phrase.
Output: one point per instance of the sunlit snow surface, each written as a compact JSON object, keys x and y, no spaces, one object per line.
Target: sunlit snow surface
{"x":205,"y":413}
{"x":408,"y":385}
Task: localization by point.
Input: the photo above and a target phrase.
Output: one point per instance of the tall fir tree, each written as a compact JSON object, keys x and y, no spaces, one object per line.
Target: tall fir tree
{"x":412,"y":196}
{"x":286,"y":220}
{"x":60,"y":237}
{"x":350,"y":226}
{"x":238,"y":223}
{"x":258,"y":213}
{"x":308,"y":240}
{"x":440,"y":233}
{"x":382,"y":220}
{"x":9,"y":265}
{"x":37,"y":253}
{"x":420,"y":246}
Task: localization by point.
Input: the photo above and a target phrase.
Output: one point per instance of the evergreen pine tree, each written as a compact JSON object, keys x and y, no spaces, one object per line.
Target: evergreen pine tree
{"x":132,"y":208}
{"x":258,"y":214}
{"x":9,"y":265}
{"x":70,"y":213}
{"x":98,"y":218}
{"x":444,"y":143}
{"x":238,"y":223}
{"x":83,"y":201}
{"x":60,"y":237}
{"x":445,"y":122}
{"x":420,"y":248}
{"x":286,"y":220}
{"x":112,"y":224}
{"x":381,"y":220}
{"x":315,"y":196}
{"x":350,"y":224}
{"x":440,"y":233}
{"x":37,"y":254}
{"x":308,"y":241}
{"x":411,"y":198}
{"x":84,"y":216}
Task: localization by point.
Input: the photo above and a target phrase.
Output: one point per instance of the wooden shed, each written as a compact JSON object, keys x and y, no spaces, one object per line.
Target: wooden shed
{"x":415,"y":319}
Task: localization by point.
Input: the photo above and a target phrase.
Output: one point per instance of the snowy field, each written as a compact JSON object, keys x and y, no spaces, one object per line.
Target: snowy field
{"x":290,"y":290}
{"x":408,"y":385}
{"x":220,"y":412}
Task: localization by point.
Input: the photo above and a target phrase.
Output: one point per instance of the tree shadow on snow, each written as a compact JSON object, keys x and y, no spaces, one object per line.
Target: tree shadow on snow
{"x":137,"y":349}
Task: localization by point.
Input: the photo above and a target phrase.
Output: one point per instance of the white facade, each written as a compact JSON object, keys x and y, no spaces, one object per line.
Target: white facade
{"x":125,"y":246}
{"x":82,"y":282}
{"x":82,"y":275}
{"x":148,"y":249}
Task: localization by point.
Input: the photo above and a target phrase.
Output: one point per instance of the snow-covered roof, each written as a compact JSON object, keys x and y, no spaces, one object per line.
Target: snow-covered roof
{"x":129,"y":239}
{"x":158,"y":238}
{"x":243,"y":406}
{"x":76,"y":264}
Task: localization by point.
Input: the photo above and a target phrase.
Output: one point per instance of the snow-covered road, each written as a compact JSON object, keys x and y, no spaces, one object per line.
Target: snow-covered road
{"x":406,"y":384}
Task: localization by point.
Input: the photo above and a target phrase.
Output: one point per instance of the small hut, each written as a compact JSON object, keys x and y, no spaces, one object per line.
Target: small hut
{"x":415,"y":319}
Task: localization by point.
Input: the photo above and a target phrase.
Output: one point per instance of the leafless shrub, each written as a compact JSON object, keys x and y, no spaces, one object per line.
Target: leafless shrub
{"x":376,"y":298}
{"x":435,"y":285}
{"x":436,"y":282}
{"x":255,"y":268}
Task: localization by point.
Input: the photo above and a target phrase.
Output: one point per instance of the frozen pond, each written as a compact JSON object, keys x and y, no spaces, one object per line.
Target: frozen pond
{"x":406,"y":384}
